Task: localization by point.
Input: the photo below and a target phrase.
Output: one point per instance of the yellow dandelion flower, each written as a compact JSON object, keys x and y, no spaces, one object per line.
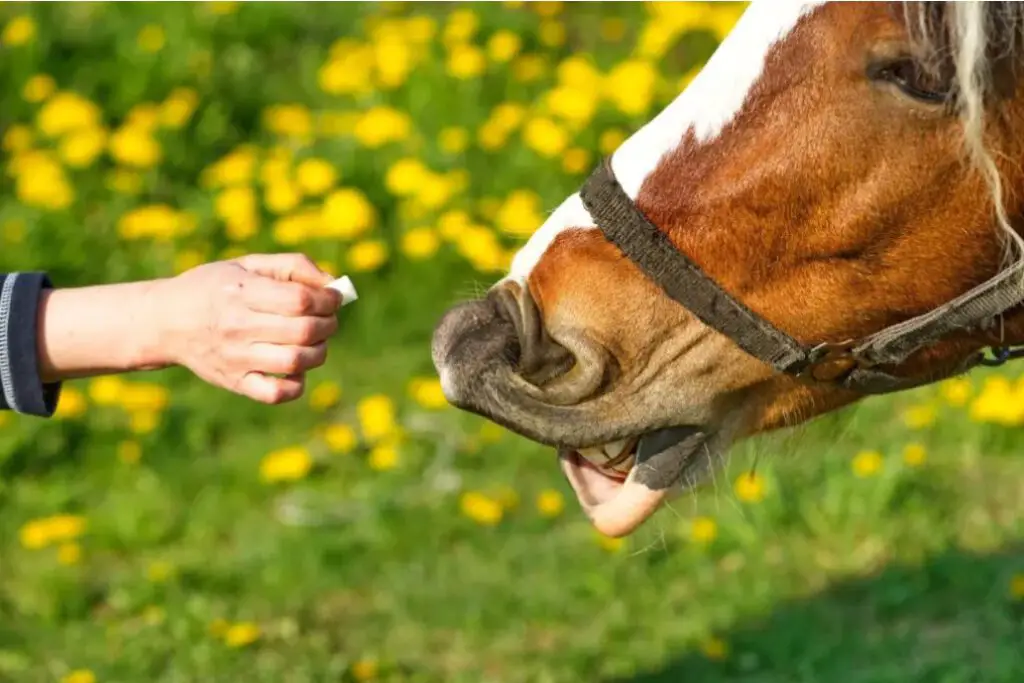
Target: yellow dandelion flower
{"x":315,"y":176}
{"x":750,"y":487}
{"x":144,"y":115}
{"x":466,"y":61}
{"x":286,"y":464}
{"x":703,"y":530}
{"x":956,"y":391}
{"x":297,"y":227}
{"x":631,"y":85}
{"x":365,"y":669}
{"x":550,"y":503}
{"x":144,"y":396}
{"x":157,"y":220}
{"x":288,"y":120}
{"x":347,"y":73}
{"x":151,"y":38}
{"x":241,"y":634}
{"x":460,"y":27}
{"x":998,"y":403}
{"x":106,"y":389}
{"x":453,"y":140}
{"x":451,"y":224}
{"x":481,"y":248}
{"x":715,"y":649}
{"x":520,"y":214}
{"x":234,"y":168}
{"x":481,"y":508}
{"x":578,"y":72}
{"x":34,"y":535}
{"x":18,"y":31}
{"x":129,"y":452}
{"x":367,"y":255}
{"x":867,"y":463}
{"x":914,"y":454}
{"x":159,"y":571}
{"x":380,"y":125}
{"x":67,"y":111}
{"x":347,"y":213}
{"x":143,"y":422}
{"x":17,"y":138}
{"x":83,"y":146}
{"x":383,"y":457}
{"x":324,"y":395}
{"x":135,"y":146}
{"x":547,"y":8}
{"x":281,"y":196}
{"x":426,"y":391}
{"x":573,"y":105}
{"x":529,"y":68}
{"x":405,"y":177}
{"x":376,"y":415}
{"x":1017,"y":586}
{"x":41,"y":181}
{"x":223,"y":7}
{"x":420,"y":243}
{"x":503,"y":46}
{"x":177,"y":109}
{"x":71,"y":404}
{"x":919,"y":416}
{"x":576,"y":161}
{"x":610,"y":140}
{"x":609,"y":543}
{"x":545,"y":137}
{"x":79,"y":676}
{"x":552,"y":33}
{"x":38,"y":87}
{"x":69,"y":553}
{"x":340,"y":438}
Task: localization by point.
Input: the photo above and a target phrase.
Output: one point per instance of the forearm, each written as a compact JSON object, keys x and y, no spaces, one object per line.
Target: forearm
{"x":102,"y":329}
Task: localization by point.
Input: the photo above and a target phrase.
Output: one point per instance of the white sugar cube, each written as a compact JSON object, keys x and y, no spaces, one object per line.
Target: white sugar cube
{"x":343,"y":285}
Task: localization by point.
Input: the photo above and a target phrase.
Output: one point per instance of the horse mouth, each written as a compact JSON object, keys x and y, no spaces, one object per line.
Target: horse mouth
{"x":636,"y":477}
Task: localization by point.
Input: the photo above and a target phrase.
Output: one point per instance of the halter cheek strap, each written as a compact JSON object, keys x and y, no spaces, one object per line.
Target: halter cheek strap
{"x":852,"y":365}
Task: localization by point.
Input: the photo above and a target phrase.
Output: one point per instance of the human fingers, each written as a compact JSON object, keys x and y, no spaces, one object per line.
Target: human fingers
{"x":269,"y":389}
{"x":284,"y":359}
{"x":305,"y":330}
{"x":293,"y":267}
{"x":266,"y":295}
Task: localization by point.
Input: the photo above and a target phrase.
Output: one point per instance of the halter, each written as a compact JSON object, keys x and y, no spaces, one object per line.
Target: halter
{"x":852,"y":364}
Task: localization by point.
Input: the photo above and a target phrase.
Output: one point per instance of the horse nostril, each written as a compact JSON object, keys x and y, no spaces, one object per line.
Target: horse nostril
{"x":563,"y":373}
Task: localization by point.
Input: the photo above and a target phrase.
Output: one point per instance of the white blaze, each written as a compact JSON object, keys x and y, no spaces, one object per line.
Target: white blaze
{"x":708,"y":104}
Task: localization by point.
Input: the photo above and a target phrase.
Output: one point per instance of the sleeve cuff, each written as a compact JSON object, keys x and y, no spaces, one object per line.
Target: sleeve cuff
{"x":22,"y":390}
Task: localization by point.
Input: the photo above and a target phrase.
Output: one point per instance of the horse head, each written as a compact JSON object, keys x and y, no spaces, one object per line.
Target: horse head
{"x":835,"y":170}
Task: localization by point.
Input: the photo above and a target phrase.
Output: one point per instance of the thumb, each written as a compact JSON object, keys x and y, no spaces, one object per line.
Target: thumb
{"x":293,"y":267}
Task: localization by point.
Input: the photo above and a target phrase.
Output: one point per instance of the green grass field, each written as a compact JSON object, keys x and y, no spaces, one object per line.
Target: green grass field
{"x":159,"y":530}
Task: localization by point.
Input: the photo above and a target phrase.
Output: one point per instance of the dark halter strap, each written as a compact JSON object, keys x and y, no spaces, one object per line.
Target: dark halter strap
{"x":853,"y":364}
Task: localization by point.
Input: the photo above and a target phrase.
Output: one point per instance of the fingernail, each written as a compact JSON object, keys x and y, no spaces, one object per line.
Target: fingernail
{"x":343,"y":285}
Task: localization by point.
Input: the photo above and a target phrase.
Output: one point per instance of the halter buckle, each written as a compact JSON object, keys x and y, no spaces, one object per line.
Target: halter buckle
{"x":832,"y":361}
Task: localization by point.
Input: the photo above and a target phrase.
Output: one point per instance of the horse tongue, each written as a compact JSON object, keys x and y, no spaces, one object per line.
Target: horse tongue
{"x":662,"y":457}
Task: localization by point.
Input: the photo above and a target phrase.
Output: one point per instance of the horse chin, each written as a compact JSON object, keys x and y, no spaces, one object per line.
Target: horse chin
{"x":665,"y":462}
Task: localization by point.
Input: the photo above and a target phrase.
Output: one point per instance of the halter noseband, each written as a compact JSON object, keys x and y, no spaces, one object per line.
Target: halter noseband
{"x":851,"y":364}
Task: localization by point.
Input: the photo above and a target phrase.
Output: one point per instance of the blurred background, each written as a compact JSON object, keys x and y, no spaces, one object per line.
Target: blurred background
{"x":160,"y":530}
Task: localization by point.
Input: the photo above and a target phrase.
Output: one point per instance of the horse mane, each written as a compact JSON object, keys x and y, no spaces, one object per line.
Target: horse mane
{"x":971,"y":41}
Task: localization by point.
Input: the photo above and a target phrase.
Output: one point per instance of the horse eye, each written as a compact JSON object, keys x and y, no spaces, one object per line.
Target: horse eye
{"x":910,"y":77}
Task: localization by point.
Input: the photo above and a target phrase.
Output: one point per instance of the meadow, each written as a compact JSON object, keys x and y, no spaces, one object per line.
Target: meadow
{"x":159,"y":530}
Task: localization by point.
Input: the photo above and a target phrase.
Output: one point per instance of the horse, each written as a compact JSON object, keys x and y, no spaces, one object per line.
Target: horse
{"x":829,"y":211}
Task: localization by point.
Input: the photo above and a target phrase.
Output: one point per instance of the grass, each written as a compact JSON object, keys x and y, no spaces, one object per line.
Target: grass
{"x":192,"y":568}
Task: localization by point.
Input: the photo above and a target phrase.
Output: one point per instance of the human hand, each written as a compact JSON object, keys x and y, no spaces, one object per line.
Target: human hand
{"x":253,"y":325}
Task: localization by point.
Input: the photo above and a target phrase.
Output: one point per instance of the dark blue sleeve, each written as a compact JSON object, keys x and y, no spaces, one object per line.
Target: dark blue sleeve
{"x":22,"y":389}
